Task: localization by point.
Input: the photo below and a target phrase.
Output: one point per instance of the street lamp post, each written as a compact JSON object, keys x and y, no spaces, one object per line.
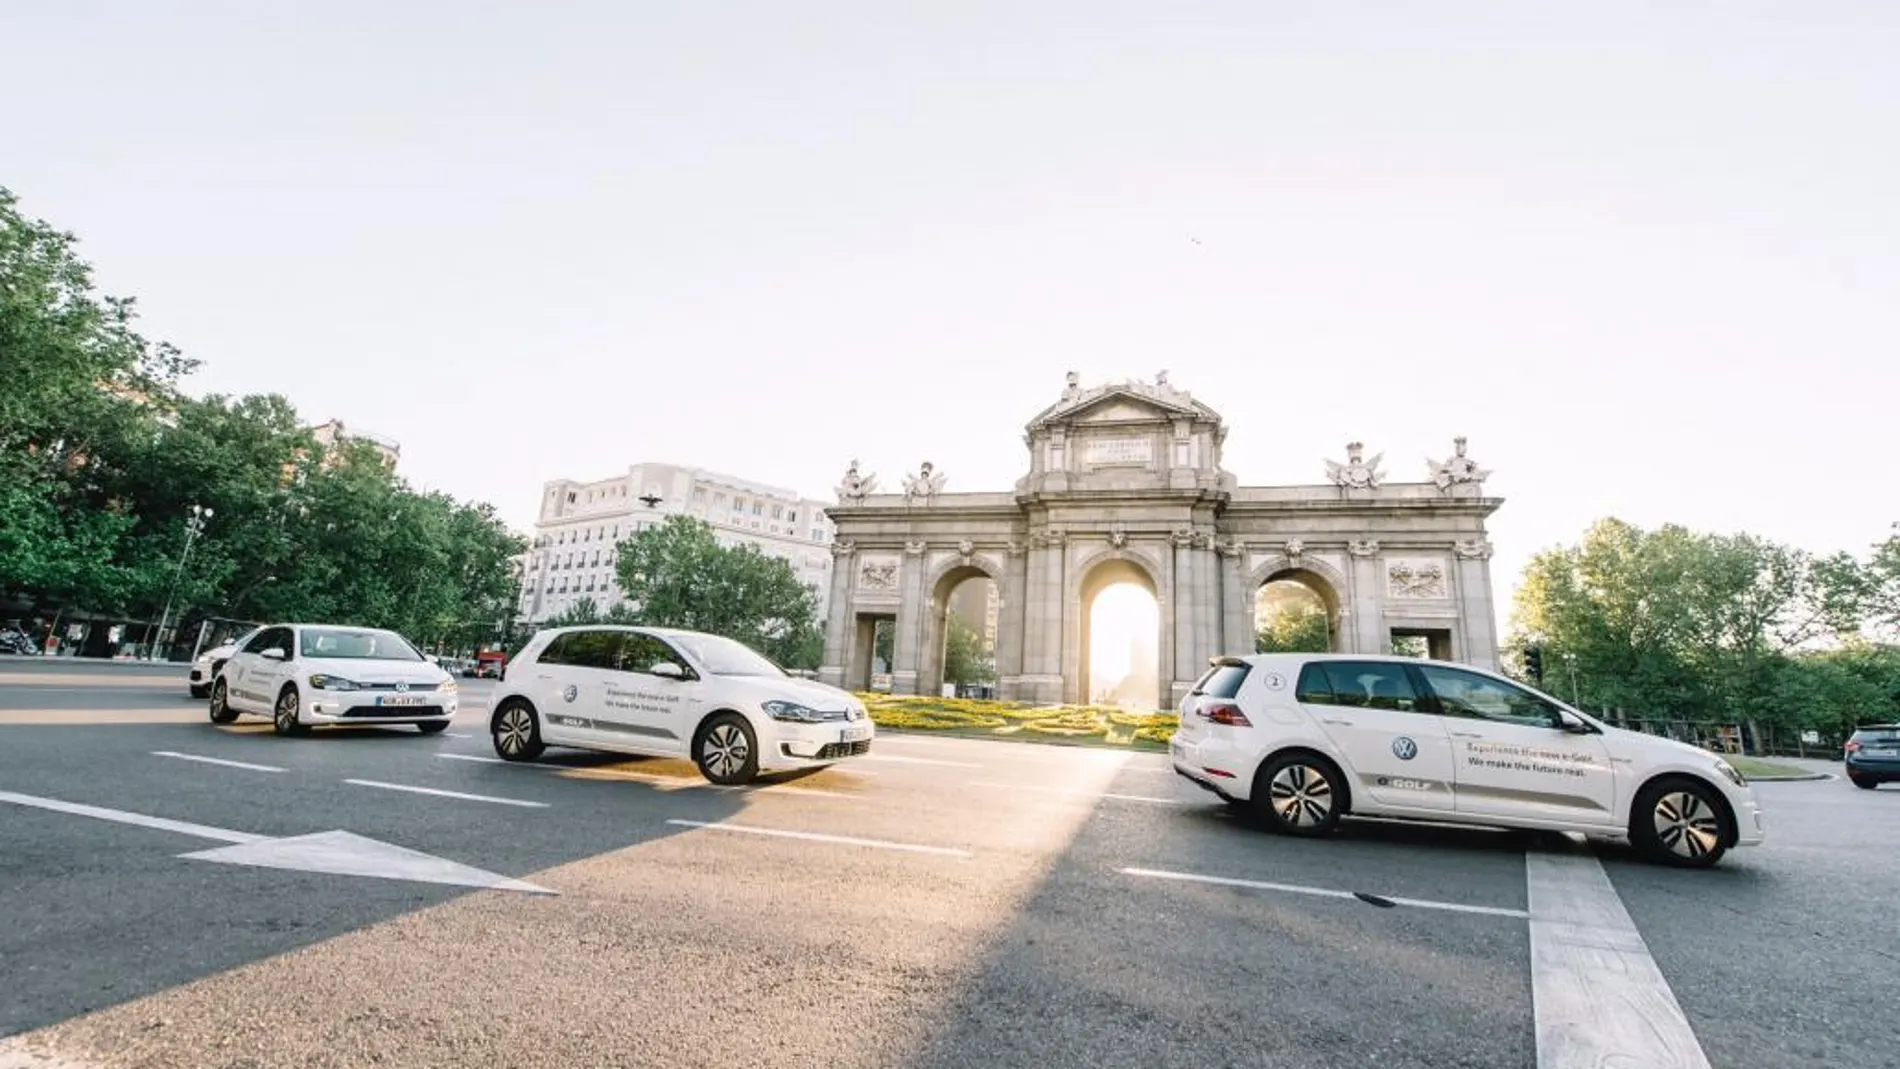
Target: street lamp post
{"x":193,"y":527}
{"x":1571,"y":660}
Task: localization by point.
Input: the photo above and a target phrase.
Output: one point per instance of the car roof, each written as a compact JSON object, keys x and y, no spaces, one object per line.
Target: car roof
{"x":1386,"y":658}
{"x":1878,"y":727}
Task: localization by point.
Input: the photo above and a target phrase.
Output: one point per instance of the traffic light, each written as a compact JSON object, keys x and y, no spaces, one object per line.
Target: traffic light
{"x":1534,"y":663}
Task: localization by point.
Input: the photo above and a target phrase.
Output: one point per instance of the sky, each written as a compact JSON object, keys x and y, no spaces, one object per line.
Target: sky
{"x":1645,"y":256}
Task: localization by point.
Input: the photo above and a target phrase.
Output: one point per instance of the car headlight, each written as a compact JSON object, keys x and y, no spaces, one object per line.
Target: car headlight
{"x":783,"y":710}
{"x":323,"y":682}
{"x":447,"y":686}
{"x":1733,"y":774}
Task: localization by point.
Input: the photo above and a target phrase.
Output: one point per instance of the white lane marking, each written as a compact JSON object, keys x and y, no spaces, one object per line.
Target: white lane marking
{"x":348,"y":854}
{"x":1080,"y":794}
{"x":1321,"y":892}
{"x":444,"y":794}
{"x":216,"y":761}
{"x":894,"y":759}
{"x":472,"y":757}
{"x":202,"y":831}
{"x":1597,"y":995}
{"x":458,"y":735}
{"x":880,"y":844}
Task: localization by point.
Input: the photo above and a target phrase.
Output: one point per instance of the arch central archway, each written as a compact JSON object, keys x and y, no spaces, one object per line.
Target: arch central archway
{"x":1121,"y":635}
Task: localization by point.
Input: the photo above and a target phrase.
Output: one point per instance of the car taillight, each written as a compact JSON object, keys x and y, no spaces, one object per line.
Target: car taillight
{"x":1852,"y":746}
{"x":1221,"y":712}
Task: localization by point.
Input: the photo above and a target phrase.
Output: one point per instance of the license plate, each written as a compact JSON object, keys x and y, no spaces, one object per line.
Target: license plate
{"x":857,"y":734}
{"x":401,"y":699}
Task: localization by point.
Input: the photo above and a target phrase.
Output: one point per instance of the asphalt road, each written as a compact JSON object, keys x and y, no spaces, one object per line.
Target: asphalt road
{"x":939,"y":903}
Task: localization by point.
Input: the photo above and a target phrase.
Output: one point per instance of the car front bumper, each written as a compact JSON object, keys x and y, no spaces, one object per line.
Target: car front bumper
{"x":346,"y":708}
{"x":806,"y":745}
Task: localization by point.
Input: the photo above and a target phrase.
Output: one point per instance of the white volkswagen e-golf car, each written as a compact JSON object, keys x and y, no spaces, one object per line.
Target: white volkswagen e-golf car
{"x":661,"y":692}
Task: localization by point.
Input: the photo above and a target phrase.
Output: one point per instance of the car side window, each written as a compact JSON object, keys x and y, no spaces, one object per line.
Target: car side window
{"x":556,"y":652}
{"x":592,"y":649}
{"x":262,"y":641}
{"x":1314,"y":687}
{"x":639,"y":653}
{"x":1372,"y":685}
{"x":1476,"y":697}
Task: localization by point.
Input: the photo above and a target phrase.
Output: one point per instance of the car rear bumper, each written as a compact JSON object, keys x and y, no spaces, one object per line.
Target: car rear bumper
{"x":1212,"y":765}
{"x":1884,"y":769}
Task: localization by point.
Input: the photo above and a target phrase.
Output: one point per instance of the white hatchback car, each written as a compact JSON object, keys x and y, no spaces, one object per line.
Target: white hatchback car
{"x":1302,"y":739}
{"x":660,"y":692}
{"x":304,"y":674}
{"x":206,"y":667}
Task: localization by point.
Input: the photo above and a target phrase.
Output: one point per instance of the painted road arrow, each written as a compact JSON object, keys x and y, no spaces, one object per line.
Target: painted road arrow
{"x":336,"y":852}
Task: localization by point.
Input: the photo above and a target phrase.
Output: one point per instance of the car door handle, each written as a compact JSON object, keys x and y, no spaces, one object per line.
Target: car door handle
{"x":1466,"y":735}
{"x":1339,"y":723}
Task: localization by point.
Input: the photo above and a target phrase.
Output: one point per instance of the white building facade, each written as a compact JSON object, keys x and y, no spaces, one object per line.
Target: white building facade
{"x":573,"y":553}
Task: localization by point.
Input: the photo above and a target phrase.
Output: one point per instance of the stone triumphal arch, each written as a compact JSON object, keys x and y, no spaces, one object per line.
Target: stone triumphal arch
{"x":1125,"y":485}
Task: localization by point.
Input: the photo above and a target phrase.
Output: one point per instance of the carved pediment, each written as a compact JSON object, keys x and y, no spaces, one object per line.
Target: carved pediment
{"x":1118,"y":404}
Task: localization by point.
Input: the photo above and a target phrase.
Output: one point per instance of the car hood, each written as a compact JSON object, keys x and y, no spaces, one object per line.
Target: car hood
{"x":361,"y":670}
{"x":792,"y":689}
{"x":1624,"y":740}
{"x":216,"y":652}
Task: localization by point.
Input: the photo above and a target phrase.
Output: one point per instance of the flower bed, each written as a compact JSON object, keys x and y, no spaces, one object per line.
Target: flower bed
{"x":1092,"y":724}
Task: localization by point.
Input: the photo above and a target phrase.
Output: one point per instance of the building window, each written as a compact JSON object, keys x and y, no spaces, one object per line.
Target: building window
{"x":699,"y":493}
{"x":792,"y":516}
{"x":778,"y":512}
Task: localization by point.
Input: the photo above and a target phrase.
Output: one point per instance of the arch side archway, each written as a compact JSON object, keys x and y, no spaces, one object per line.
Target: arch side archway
{"x":1326,"y":582}
{"x":942,"y":582}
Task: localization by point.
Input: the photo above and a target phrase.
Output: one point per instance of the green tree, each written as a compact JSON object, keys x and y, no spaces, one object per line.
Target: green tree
{"x":678,"y":575}
{"x":965,"y":660}
{"x":1297,"y":628}
{"x":1678,"y":624}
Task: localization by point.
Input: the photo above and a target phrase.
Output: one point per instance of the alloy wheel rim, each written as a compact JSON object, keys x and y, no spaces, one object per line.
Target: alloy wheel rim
{"x":725,"y":750}
{"x":1301,"y":795}
{"x":217,"y":698}
{"x":514,"y":731}
{"x":287,"y":710}
{"x":1687,"y":825}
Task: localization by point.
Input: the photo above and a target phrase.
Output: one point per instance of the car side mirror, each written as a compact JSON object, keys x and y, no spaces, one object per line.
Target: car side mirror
{"x":432,"y":658}
{"x":1576,"y":725}
{"x":667,"y":670}
{"x":274,"y":654}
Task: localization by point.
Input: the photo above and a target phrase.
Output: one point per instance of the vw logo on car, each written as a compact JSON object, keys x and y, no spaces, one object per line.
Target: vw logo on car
{"x":570,"y":693}
{"x":1404,"y":748}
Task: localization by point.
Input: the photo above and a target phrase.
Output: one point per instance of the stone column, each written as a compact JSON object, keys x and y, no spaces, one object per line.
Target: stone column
{"x":1042,"y":619}
{"x":1368,"y":588}
{"x":907,"y":654}
{"x":1237,"y":631}
{"x":1185,"y":638}
{"x":839,"y":616}
{"x":1014,"y":589}
{"x":1475,"y":611}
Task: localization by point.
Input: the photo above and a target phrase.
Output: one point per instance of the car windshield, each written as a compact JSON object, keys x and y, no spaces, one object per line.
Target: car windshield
{"x":340,"y":645}
{"x":724,"y":657}
{"x":1884,"y":735}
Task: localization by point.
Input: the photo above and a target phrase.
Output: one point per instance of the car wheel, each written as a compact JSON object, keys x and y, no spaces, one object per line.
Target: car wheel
{"x":726,"y":751}
{"x":432,"y":727}
{"x":1678,"y":822}
{"x":221,"y":711}
{"x":284,"y":719}
{"x":199,"y":692}
{"x":1298,"y":794}
{"x":1864,"y":783}
{"x":517,"y":733}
